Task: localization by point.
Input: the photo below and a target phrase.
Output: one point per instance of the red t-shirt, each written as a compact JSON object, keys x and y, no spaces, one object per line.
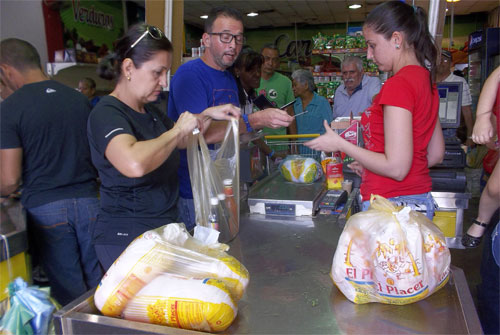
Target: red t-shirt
{"x":410,"y":89}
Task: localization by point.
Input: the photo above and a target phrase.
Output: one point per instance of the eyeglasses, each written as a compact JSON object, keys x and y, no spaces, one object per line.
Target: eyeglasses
{"x":227,"y":38}
{"x":153,"y":31}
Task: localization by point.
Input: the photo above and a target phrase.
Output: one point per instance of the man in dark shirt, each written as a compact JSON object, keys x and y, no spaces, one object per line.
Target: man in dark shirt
{"x":43,"y":143}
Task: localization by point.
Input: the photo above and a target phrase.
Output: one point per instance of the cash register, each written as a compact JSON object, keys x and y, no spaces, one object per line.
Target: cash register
{"x":449,"y":176}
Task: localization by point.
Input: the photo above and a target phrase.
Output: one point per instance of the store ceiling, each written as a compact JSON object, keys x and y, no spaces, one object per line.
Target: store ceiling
{"x":284,"y":13}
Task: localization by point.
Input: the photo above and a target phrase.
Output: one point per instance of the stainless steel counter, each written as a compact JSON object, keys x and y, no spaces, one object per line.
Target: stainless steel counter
{"x":290,"y":291}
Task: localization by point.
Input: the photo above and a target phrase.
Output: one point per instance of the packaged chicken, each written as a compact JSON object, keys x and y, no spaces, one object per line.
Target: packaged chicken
{"x":168,"y":249}
{"x":300,"y":169}
{"x":198,"y":304}
{"x":390,"y":255}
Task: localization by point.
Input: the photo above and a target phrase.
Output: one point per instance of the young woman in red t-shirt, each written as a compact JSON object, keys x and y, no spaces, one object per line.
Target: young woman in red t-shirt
{"x":401,"y":129}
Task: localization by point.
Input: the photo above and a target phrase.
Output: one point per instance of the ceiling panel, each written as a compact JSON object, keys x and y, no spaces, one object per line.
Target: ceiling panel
{"x":287,"y":12}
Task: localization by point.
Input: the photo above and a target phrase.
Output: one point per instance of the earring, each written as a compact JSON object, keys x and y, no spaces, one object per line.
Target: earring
{"x":128,"y":77}
{"x":397,"y":46}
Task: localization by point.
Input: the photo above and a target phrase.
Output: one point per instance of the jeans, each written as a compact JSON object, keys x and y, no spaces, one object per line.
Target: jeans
{"x":186,"y":212}
{"x":418,"y":202}
{"x":65,"y":246}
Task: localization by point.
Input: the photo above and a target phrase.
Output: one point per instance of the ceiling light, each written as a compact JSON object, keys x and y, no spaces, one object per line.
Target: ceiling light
{"x":252,"y":14}
{"x":355,"y":6}
{"x":452,"y":0}
{"x":204,"y":17}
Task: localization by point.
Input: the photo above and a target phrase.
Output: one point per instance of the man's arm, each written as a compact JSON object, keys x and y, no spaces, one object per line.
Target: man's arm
{"x":11,"y":161}
{"x":469,"y":123}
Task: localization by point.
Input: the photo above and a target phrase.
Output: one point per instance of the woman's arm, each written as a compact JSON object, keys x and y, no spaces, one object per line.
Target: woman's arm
{"x":483,"y":128}
{"x":435,"y":148}
{"x":395,"y":162}
{"x":135,"y":158}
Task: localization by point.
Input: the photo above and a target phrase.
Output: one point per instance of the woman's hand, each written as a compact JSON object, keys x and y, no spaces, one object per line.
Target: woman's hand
{"x":357,"y":168}
{"x":330,"y":141}
{"x":186,"y":124}
{"x":483,"y":129}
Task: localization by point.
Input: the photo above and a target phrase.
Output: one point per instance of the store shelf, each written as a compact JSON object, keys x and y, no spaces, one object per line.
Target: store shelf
{"x":338,"y":51}
{"x":331,"y":74}
{"x":54,"y":68}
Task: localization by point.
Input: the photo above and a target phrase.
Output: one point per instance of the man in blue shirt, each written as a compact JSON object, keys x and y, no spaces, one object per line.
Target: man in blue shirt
{"x":358,"y":90}
{"x":206,"y":82}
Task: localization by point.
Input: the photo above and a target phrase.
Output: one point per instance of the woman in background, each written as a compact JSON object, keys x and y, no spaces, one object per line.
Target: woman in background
{"x":311,"y":109}
{"x":134,"y":146}
{"x":401,"y":129}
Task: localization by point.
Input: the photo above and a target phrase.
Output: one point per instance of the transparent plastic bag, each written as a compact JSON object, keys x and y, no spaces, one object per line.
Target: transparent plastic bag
{"x":300,"y":169}
{"x":390,"y":255}
{"x":216,"y":178}
{"x":173,"y":251}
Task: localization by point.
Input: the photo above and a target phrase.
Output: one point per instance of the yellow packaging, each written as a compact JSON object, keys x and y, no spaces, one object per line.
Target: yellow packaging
{"x":334,"y":176}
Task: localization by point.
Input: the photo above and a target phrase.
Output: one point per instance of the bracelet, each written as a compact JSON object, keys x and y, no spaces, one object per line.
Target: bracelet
{"x":245,"y":119}
{"x":271,"y":154}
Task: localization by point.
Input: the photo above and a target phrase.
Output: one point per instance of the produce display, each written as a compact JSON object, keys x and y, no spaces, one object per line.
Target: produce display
{"x":390,"y":255}
{"x":338,"y":41}
{"x":208,"y":281}
{"x":300,"y":169}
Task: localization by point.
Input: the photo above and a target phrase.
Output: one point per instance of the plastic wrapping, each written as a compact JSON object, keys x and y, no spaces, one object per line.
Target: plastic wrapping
{"x":30,"y":311}
{"x":300,"y":169}
{"x":169,"y":252}
{"x":207,"y":177}
{"x":390,"y":255}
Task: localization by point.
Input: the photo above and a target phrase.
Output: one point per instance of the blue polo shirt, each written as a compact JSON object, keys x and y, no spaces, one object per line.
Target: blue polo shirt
{"x":360,"y":100}
{"x":317,"y":110}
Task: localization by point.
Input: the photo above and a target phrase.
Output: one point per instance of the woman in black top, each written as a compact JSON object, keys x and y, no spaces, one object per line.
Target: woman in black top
{"x":134,"y":146}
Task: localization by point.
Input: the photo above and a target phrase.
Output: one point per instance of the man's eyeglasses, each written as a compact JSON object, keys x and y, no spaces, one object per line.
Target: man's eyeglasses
{"x":227,"y":38}
{"x":153,"y":31}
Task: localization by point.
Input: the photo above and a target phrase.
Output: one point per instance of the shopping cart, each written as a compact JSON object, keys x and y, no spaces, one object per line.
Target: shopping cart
{"x":290,"y":145}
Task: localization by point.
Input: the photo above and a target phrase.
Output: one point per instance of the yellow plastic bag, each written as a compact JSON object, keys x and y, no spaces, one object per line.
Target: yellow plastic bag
{"x":390,"y":255}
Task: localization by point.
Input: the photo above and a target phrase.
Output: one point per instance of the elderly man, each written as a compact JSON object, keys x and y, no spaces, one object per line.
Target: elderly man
{"x":444,"y":73}
{"x":207,"y":82}
{"x":357,"y":92}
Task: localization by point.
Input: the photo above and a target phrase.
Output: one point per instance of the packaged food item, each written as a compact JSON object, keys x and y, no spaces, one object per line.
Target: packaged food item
{"x":300,"y":169}
{"x":334,"y":174}
{"x":390,"y":255}
{"x":199,"y":304}
{"x":168,"y":249}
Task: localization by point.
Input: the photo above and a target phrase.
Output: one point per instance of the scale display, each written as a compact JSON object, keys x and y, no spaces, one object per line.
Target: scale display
{"x":280,"y":209}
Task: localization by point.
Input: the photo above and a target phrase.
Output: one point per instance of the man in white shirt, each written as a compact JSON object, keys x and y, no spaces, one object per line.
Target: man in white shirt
{"x":357,"y":92}
{"x":444,"y":73}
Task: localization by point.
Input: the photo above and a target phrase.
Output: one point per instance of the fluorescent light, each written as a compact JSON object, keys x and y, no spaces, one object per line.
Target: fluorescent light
{"x":204,"y":17}
{"x":252,"y":14}
{"x":452,"y":0}
{"x":355,"y":6}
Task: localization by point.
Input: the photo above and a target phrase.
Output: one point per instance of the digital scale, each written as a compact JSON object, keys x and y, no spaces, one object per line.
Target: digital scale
{"x":274,"y":195}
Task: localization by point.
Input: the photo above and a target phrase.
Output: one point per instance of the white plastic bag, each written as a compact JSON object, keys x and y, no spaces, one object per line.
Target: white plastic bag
{"x":390,"y":255}
{"x":168,"y":249}
{"x":208,"y":177}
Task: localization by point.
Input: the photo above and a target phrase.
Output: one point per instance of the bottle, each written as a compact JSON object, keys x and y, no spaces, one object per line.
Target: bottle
{"x":213,"y":217}
{"x":231,"y":206}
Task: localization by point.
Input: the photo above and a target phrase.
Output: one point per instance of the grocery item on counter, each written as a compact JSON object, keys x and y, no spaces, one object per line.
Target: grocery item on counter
{"x":334,"y":173}
{"x":168,"y":250}
{"x":199,"y":304}
{"x":390,"y":255}
{"x":299,"y":169}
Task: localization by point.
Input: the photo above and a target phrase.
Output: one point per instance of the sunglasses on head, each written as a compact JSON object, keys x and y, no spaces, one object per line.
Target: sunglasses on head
{"x":153,"y":31}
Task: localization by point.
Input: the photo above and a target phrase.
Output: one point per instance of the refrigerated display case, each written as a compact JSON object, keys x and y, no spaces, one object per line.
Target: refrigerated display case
{"x":484,"y":57}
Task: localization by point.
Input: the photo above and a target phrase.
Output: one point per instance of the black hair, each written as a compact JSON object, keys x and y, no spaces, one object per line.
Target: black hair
{"x":89,"y":81}
{"x":392,"y":16}
{"x":19,"y":54}
{"x":110,"y":66}
{"x":246,"y":60}
{"x":221,"y":11}
{"x":270,"y":46}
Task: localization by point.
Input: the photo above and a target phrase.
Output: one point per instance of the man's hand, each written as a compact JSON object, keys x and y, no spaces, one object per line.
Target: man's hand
{"x":271,"y":118}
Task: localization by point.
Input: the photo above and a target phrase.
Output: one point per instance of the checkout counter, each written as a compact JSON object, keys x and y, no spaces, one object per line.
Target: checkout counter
{"x":289,"y":259}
